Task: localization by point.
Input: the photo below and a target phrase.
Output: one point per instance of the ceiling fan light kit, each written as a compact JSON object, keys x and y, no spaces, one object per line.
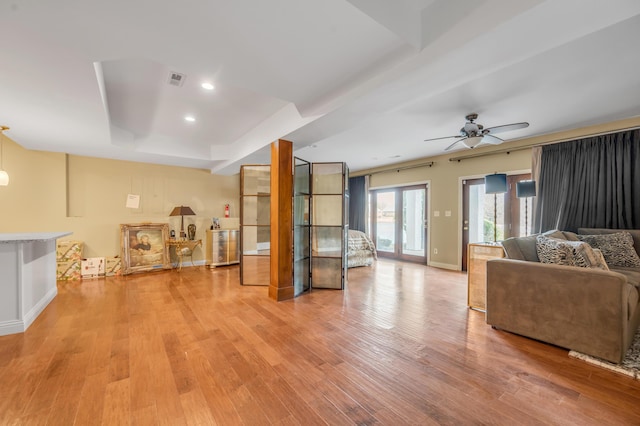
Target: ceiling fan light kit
{"x":473,"y":134}
{"x":472,"y":141}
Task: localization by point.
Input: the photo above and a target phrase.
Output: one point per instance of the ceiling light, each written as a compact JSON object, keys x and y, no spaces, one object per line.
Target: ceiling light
{"x":472,"y":141}
{"x":190,"y":118}
{"x":208,"y":86}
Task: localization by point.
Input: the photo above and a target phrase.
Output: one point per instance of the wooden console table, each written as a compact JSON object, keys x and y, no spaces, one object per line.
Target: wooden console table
{"x":478,"y":255}
{"x":184,"y":248}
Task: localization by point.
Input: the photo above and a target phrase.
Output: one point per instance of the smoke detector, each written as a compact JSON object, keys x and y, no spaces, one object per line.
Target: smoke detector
{"x":176,"y":79}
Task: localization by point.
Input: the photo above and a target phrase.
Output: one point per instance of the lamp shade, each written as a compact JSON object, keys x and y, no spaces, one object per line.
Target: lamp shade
{"x":495,"y":183}
{"x":472,"y":141}
{"x":182,"y":211}
{"x":526,"y":188}
{"x":4,"y":178}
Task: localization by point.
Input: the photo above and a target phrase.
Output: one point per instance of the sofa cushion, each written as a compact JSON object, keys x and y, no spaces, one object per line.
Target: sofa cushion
{"x":521,"y":248}
{"x":571,"y":236}
{"x":632,"y":274}
{"x":617,"y":248}
{"x":570,"y":253}
{"x":524,"y":248}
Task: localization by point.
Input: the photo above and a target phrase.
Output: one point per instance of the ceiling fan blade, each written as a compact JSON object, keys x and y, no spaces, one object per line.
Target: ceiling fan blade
{"x":453,"y":144}
{"x":506,"y":127}
{"x":444,"y":137}
{"x":492,"y":140}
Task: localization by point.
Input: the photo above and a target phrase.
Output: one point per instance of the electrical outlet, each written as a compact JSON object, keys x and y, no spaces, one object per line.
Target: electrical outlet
{"x":435,"y":251}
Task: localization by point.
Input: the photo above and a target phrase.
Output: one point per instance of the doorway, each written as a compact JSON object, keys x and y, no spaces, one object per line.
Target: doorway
{"x":492,"y":217}
{"x":398,"y":222}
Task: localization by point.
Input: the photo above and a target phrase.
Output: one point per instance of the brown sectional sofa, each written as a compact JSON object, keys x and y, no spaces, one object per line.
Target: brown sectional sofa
{"x":592,"y":311}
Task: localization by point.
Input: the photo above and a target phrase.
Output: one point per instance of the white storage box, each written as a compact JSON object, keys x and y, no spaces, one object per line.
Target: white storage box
{"x":93,"y":267}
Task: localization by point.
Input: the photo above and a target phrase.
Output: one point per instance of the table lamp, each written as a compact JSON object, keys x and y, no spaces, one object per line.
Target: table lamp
{"x":495,"y":184}
{"x":182,"y":211}
{"x":526,"y":189}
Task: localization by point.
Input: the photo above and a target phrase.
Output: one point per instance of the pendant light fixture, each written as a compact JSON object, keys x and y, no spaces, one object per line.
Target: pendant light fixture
{"x":4,"y":176}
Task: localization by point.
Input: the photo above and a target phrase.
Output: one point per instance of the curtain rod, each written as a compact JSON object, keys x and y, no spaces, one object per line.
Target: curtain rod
{"x":397,"y":169}
{"x":520,"y":148}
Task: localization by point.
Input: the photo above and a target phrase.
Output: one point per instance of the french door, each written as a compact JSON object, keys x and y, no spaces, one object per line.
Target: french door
{"x":398,"y":222}
{"x":492,"y":217}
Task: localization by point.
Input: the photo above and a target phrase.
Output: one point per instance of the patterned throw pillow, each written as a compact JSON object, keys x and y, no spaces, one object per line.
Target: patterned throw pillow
{"x":551,"y":250}
{"x":616,"y":248}
{"x":571,"y":253}
{"x":585,"y":256}
{"x":601,"y":263}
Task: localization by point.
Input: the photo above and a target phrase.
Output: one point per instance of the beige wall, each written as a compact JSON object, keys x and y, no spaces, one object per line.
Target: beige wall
{"x":445,"y":181}
{"x":56,"y":192}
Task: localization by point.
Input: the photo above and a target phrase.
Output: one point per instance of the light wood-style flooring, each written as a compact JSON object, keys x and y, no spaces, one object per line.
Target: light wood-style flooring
{"x":398,"y":346}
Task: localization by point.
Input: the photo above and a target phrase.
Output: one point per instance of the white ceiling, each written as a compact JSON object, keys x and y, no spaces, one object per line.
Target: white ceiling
{"x":361,"y":81}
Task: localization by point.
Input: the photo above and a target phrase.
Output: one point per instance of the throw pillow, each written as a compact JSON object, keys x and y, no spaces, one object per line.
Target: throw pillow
{"x":585,"y":256}
{"x":571,"y":253}
{"x":616,"y":248}
{"x":601,"y":262}
{"x":551,"y":250}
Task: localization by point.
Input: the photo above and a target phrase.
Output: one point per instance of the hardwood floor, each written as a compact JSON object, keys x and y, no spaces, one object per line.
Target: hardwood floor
{"x":399,"y":346}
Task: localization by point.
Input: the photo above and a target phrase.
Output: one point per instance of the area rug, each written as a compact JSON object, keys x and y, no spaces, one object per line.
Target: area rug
{"x":630,"y":366}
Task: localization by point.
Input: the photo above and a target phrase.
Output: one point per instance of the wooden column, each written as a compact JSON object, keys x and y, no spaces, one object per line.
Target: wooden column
{"x":281,"y":282}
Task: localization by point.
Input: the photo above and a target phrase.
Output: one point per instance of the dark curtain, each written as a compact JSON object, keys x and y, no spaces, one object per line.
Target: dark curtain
{"x":592,"y":182}
{"x":357,"y":203}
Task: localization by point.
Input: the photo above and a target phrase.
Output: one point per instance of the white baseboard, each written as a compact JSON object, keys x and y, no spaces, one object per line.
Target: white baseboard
{"x":20,"y":326}
{"x":39,"y":307}
{"x":11,"y":327}
{"x":444,"y":266}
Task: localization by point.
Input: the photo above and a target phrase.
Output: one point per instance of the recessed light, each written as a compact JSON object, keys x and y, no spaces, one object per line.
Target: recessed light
{"x":207,"y":86}
{"x":190,"y":118}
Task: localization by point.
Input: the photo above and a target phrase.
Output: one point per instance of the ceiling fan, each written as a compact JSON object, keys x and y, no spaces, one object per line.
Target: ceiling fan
{"x":473,"y":134}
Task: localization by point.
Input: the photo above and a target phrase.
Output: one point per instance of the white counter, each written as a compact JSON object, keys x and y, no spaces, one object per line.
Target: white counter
{"x":27,"y":278}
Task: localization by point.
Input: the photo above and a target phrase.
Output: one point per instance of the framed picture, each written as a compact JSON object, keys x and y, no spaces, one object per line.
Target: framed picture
{"x":143,"y":248}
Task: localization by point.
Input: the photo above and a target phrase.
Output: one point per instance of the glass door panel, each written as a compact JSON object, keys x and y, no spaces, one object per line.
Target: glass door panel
{"x":413,"y":222}
{"x":255,"y":237}
{"x":301,"y":226}
{"x":480,"y":215}
{"x":399,"y":222}
{"x":526,"y":216}
{"x":329,"y":221}
{"x":492,"y":217}
{"x":385,"y":224}
{"x":327,"y":210}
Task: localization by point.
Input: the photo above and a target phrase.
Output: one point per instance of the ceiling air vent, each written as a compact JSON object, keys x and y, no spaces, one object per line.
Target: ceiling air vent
{"x":176,"y":79}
